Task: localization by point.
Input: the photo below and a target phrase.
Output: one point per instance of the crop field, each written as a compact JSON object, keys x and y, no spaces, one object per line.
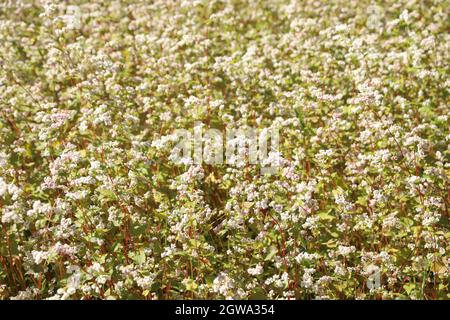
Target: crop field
{"x":224,"y":149}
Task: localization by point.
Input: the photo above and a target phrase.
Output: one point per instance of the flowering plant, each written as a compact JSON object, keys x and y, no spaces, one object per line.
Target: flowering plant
{"x":93,"y":207}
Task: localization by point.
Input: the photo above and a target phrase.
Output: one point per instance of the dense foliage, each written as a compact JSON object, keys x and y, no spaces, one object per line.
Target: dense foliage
{"x":91,"y":205}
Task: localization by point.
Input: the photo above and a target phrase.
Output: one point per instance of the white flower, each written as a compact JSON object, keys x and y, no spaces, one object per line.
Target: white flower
{"x":404,"y":16}
{"x":257,"y":270}
{"x":39,"y":256}
{"x":346,"y":250}
{"x":73,"y":17}
{"x":10,"y":216}
{"x":223,"y":284}
{"x":3,"y":161}
{"x":3,"y":187}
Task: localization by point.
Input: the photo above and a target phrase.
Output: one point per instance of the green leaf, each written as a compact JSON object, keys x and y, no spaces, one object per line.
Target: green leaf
{"x":409,"y":287}
{"x":109,"y":194}
{"x":139,"y":257}
{"x":272,"y":252}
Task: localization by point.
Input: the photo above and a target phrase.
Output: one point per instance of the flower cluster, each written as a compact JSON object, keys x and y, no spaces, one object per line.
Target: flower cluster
{"x":92,"y":207}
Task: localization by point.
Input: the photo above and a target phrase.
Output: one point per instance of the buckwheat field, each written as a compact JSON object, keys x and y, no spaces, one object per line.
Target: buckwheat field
{"x":93,"y":204}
